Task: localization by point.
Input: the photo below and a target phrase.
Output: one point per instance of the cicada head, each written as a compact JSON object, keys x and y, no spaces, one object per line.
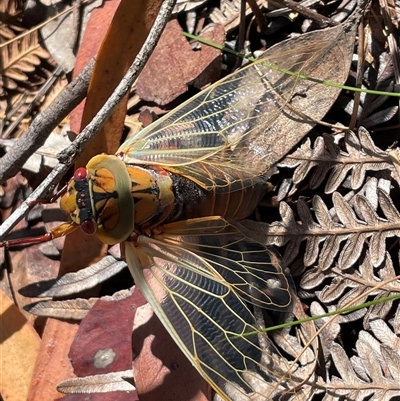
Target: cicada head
{"x":99,"y":199}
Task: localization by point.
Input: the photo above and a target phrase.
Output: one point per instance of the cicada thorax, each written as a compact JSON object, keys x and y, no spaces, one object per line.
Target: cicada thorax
{"x":153,"y":194}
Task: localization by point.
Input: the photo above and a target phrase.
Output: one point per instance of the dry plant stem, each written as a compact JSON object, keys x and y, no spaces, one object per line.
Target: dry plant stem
{"x":322,"y":21}
{"x":45,"y":123}
{"x":360,"y":70}
{"x":242,"y":33}
{"x":257,"y":14}
{"x":43,"y":90}
{"x":70,"y":154}
{"x":76,"y":11}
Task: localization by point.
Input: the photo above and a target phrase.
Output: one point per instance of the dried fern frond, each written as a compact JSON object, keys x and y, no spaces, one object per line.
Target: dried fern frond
{"x":342,"y":232}
{"x":374,"y":373}
{"x":9,"y":9}
{"x":354,"y":287}
{"x":357,"y":156}
{"x":24,"y":68}
{"x":20,"y":56}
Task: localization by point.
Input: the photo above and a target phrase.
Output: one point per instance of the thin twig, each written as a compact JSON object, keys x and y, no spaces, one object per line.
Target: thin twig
{"x":45,"y":123}
{"x":68,"y":156}
{"x":260,"y":19}
{"x":321,"y":20}
{"x":77,"y":21}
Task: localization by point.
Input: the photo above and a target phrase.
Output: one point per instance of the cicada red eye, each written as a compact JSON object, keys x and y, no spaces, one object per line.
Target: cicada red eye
{"x":81,"y":173}
{"x":89,"y":227}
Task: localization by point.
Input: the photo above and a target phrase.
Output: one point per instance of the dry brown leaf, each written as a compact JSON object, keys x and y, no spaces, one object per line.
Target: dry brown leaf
{"x":174,"y":65}
{"x":19,"y":346}
{"x":325,"y":54}
{"x":52,"y":365}
{"x":71,"y":309}
{"x":73,"y":283}
{"x":101,"y":383}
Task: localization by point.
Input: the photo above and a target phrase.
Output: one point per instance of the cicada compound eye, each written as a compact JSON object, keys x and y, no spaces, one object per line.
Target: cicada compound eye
{"x":89,"y":227}
{"x":81,"y":173}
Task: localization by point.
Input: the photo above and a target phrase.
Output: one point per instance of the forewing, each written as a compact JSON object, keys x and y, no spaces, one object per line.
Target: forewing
{"x":227,"y":132}
{"x":204,"y":313}
{"x":211,"y":134}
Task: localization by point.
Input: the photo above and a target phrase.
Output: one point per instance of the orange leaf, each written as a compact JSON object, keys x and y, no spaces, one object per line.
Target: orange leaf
{"x":127,"y":33}
{"x":19,"y":346}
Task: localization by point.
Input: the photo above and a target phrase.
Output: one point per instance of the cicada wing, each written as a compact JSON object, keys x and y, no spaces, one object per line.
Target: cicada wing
{"x":206,"y":317}
{"x":227,"y":132}
{"x":256,"y":272}
{"x":210,"y":137}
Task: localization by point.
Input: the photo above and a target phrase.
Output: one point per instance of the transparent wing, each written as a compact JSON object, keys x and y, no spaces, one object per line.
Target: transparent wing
{"x":253,"y":270}
{"x":226,"y":132}
{"x":184,"y":276}
{"x":210,"y":135}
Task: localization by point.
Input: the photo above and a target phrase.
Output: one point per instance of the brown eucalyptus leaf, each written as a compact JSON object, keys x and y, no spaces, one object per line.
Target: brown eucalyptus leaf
{"x":160,"y":369}
{"x":75,"y":309}
{"x":324,"y":54}
{"x":103,"y":343}
{"x":101,"y":383}
{"x":19,"y":347}
{"x":174,"y":65}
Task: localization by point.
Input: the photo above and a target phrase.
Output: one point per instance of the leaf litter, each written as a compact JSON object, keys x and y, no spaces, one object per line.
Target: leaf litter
{"x":360,"y":227}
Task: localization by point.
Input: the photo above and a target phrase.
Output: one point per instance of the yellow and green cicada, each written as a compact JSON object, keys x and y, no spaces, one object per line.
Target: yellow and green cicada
{"x":173,"y":196}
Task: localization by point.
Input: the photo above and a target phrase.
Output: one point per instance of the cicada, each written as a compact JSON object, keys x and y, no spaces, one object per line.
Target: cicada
{"x":174,"y":195}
